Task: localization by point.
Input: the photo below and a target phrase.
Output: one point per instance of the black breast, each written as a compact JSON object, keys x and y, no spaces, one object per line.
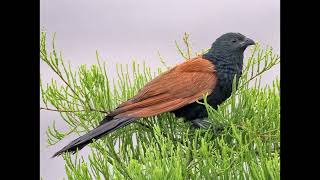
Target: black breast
{"x":221,"y":92}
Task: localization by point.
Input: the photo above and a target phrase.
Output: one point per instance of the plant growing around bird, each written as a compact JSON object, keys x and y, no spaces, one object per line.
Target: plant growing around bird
{"x":242,"y":143}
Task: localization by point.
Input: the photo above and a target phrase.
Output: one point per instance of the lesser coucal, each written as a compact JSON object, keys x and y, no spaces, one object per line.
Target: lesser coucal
{"x":178,"y":89}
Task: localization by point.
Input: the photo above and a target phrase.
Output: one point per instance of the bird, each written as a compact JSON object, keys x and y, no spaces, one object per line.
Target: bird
{"x":178,"y":89}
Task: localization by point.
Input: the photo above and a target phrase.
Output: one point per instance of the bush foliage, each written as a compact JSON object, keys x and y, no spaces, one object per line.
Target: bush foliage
{"x":242,"y":143}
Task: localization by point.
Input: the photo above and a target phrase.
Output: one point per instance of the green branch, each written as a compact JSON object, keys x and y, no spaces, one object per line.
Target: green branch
{"x":242,"y":143}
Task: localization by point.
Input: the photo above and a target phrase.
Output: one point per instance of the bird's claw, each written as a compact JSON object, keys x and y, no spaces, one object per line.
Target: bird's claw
{"x":201,"y":123}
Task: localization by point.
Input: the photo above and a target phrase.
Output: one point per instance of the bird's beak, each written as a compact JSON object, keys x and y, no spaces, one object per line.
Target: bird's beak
{"x":248,"y":42}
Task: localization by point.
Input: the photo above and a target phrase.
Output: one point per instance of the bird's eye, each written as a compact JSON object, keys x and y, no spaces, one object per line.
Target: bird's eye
{"x":234,"y":40}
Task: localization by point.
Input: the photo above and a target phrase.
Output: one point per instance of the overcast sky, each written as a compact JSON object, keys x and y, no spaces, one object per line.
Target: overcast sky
{"x":124,"y":29}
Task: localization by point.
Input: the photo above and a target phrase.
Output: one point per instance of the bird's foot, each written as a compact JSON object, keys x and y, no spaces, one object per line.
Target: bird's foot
{"x":201,"y":123}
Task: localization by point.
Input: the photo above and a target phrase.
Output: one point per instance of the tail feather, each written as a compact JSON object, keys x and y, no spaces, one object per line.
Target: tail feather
{"x":106,"y":119}
{"x":96,"y":133}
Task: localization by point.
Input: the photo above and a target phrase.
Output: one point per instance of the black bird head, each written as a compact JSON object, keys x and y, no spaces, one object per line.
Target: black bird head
{"x":230,"y":44}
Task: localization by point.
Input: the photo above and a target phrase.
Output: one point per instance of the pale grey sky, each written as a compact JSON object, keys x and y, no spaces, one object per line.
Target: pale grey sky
{"x":124,"y":29}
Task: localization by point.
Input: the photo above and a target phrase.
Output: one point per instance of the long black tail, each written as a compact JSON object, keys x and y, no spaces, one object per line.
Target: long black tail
{"x":104,"y":128}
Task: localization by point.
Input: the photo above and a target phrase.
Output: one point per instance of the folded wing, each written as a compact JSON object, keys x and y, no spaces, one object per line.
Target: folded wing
{"x":180,"y":86}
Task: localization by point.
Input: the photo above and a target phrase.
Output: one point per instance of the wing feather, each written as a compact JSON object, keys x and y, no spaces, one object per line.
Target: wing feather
{"x":180,"y":86}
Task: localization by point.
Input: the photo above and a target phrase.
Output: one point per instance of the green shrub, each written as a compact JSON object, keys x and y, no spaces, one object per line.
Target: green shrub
{"x":242,"y":143}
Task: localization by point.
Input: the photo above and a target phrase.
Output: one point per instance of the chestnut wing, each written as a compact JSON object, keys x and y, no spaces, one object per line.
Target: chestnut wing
{"x":178,"y":87}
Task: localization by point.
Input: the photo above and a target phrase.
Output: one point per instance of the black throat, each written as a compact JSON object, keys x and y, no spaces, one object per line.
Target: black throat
{"x":231,"y":63}
{"x":228,"y":67}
